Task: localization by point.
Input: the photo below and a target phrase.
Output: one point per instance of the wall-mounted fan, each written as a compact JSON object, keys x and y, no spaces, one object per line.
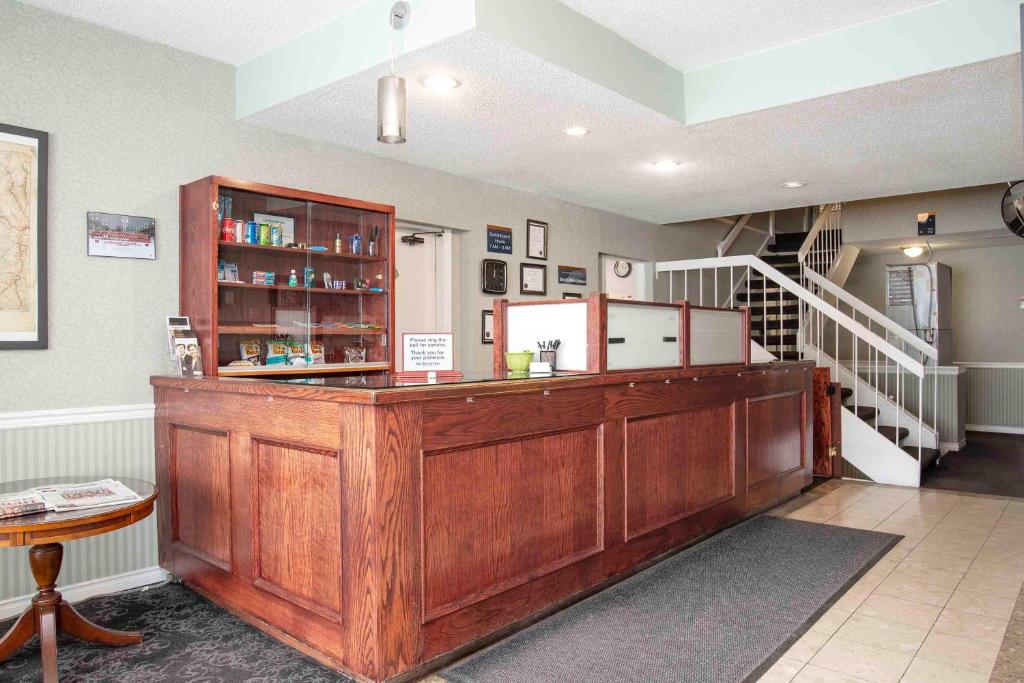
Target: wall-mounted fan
{"x":1013,"y":208}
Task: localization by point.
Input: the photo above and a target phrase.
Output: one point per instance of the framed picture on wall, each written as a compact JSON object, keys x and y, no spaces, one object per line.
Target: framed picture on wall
{"x":23,"y":159}
{"x":487,"y":327}
{"x":536,"y":239}
{"x":533,"y":279}
{"x":572,"y":295}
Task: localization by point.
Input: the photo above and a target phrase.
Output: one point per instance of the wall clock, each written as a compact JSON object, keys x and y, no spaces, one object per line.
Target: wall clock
{"x":493,"y":276}
{"x":622,"y":268}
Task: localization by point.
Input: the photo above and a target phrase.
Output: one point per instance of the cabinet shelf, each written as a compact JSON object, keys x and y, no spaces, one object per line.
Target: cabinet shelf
{"x":287,"y":288}
{"x":327,"y":255}
{"x":295,"y":329}
{"x":326,"y":369}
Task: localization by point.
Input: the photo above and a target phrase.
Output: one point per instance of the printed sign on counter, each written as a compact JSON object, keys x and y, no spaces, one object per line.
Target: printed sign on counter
{"x":430,"y":352}
{"x":499,"y":239}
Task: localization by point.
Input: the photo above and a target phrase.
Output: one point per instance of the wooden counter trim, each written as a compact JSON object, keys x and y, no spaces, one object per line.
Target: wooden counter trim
{"x":260,"y":388}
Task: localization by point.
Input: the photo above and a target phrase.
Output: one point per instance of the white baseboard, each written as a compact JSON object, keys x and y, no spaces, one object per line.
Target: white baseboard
{"x":73,"y":416}
{"x":994,"y":428}
{"x":75,"y":592}
{"x":947,"y":446}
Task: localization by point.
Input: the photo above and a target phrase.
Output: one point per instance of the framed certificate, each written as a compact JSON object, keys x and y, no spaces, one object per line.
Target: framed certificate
{"x":533,"y":278}
{"x":536,"y":240}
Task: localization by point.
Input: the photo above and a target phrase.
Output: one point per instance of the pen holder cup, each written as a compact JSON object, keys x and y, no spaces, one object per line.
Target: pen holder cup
{"x":548,"y":357}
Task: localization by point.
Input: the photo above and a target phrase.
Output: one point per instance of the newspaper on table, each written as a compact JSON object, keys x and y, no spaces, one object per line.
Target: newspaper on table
{"x":66,"y":497}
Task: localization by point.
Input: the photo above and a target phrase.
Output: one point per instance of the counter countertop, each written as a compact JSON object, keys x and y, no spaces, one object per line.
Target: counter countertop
{"x":384,"y":388}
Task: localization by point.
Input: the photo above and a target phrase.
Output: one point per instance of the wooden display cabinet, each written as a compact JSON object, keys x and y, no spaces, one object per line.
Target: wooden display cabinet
{"x":226,"y":313}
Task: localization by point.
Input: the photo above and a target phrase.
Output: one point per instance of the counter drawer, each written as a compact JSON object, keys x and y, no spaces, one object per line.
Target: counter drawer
{"x":451,"y":423}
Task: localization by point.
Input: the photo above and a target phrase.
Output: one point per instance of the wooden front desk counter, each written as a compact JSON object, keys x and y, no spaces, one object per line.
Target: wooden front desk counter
{"x":382,"y":529}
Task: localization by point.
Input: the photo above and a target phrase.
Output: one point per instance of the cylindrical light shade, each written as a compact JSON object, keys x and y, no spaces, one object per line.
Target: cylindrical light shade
{"x":391,"y":109}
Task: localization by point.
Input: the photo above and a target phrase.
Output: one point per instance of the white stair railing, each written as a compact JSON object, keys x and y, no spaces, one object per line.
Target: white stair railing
{"x":884,"y":376}
{"x":824,"y":240}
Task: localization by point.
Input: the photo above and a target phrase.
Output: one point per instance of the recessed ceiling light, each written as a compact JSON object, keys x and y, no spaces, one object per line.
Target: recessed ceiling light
{"x":576,"y":131}
{"x":913,"y":251}
{"x":440,"y":82}
{"x":794,"y":184}
{"x":666,"y":165}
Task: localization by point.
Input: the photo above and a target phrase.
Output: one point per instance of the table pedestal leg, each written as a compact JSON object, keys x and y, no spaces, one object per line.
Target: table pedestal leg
{"x":49,"y":613}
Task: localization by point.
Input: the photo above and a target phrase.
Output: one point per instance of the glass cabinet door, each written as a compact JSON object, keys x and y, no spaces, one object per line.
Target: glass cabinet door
{"x":302,"y":286}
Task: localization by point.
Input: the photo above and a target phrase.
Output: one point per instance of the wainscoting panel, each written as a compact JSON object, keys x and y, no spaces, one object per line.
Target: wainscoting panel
{"x":995,"y":396}
{"x":89,"y":450}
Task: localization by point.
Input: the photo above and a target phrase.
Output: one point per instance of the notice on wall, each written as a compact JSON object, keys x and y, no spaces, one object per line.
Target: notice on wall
{"x":925,"y":224}
{"x":572,"y":275}
{"x":430,"y":352}
{"x":499,"y":239}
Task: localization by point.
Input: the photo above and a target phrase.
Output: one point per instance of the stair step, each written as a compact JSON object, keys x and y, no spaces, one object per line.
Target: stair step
{"x":845,"y":393}
{"x":793,"y":239}
{"x":866,"y":413}
{"x":928,"y":455}
{"x":776,"y":259}
{"x":773,"y":339}
{"x":890,"y":433}
{"x":757,"y":323}
{"x":756,"y":308}
{"x":761,"y":297}
{"x":782,"y":248}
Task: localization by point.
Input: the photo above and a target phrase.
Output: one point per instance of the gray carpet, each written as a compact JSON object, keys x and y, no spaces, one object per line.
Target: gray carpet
{"x":722,"y":610}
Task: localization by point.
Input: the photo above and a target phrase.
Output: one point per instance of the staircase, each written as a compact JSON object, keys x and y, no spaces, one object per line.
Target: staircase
{"x":797,"y":313}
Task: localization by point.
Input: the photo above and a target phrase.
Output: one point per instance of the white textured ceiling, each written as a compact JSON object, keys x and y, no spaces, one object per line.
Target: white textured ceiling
{"x":688,"y":34}
{"x":504,"y":125}
{"x":232,"y":31}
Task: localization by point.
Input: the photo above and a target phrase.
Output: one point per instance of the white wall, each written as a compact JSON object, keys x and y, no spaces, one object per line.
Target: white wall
{"x":130,"y":121}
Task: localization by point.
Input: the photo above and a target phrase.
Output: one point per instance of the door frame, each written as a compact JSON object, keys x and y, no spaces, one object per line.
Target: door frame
{"x":443,"y":266}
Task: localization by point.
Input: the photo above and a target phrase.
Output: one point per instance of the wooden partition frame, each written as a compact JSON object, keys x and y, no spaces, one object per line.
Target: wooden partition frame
{"x":744,"y":332}
{"x":597,"y":329}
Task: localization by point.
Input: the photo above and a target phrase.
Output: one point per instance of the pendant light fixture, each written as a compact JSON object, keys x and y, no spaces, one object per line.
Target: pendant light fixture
{"x":391,"y":88}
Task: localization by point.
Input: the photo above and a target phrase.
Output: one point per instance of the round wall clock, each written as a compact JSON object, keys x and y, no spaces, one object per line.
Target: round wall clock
{"x":622,"y":268}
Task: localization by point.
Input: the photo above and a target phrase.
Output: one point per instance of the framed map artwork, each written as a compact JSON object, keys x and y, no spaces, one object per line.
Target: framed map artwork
{"x":22,"y":238}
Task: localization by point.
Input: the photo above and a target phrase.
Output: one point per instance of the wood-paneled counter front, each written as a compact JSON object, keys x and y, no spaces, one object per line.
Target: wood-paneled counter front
{"x":384,"y":529}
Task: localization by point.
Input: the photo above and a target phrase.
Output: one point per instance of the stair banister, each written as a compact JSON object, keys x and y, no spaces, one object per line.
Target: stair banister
{"x":926,"y":349}
{"x":783,"y":282}
{"x":812,"y":235}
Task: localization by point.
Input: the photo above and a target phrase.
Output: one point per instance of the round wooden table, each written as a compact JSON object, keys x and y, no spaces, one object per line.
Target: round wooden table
{"x":45,"y":532}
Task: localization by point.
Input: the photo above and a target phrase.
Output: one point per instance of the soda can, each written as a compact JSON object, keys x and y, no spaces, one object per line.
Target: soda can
{"x":239,"y":231}
{"x":276,"y":235}
{"x":227,"y":230}
{"x":252,"y":232}
{"x":266,"y":234}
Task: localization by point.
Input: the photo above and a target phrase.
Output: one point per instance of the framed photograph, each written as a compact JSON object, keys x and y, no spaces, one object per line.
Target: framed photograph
{"x":23,"y":160}
{"x":536,"y":239}
{"x":493,"y":276}
{"x":120,"y":236}
{"x":487,"y":327}
{"x":571,"y":295}
{"x":533,"y":278}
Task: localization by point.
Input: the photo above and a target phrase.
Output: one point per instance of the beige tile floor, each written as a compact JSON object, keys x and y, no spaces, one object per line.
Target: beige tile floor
{"x":935,"y":608}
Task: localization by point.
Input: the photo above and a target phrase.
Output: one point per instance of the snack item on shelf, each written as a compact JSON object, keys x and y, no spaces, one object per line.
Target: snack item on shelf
{"x":315,"y":353}
{"x":355,"y":354}
{"x":250,"y":349}
{"x":266,"y":234}
{"x":252,"y":232}
{"x":309,"y":277}
{"x":296,"y":353}
{"x":277,"y":352}
{"x":277,"y":234}
{"x":241,"y":364}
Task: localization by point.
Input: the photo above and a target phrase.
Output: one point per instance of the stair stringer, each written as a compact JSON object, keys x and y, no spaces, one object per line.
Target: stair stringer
{"x":887,"y":409}
{"x":874,"y":455}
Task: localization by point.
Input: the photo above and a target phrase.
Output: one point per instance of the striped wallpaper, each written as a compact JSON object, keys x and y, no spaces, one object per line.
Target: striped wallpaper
{"x":995,"y":395}
{"x":90,"y":450}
